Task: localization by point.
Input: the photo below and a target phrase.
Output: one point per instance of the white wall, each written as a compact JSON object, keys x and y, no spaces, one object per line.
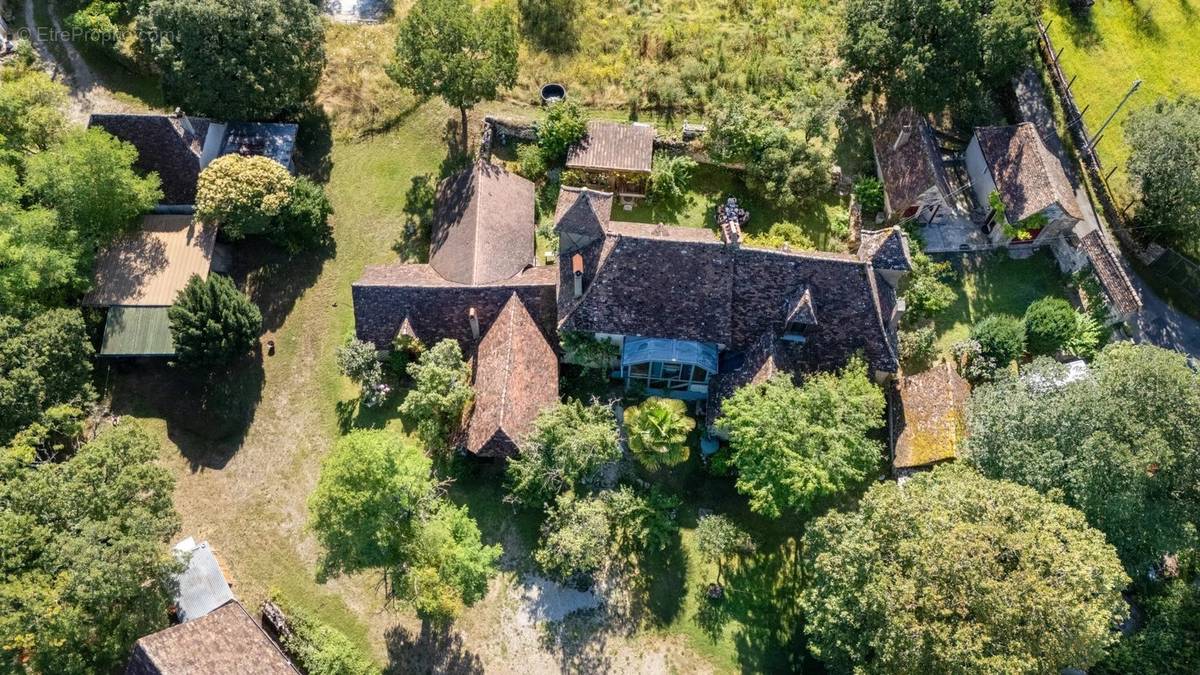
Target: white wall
{"x":981,"y":177}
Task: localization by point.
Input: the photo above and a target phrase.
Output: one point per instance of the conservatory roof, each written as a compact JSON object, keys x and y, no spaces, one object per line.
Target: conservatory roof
{"x":647,"y":350}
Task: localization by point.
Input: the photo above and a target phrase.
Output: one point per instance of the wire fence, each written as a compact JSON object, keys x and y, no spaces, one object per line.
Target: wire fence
{"x":1173,"y":274}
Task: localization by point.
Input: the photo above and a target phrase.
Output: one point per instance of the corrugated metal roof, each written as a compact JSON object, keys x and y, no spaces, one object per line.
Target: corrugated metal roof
{"x":202,"y":586}
{"x":137,"y":331}
{"x":149,"y":267}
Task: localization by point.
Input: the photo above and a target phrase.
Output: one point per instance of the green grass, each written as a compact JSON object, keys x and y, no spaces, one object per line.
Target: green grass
{"x":1116,"y":43}
{"x":996,"y":284}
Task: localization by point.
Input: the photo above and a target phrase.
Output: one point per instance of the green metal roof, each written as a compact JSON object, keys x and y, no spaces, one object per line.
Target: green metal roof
{"x":137,"y":331}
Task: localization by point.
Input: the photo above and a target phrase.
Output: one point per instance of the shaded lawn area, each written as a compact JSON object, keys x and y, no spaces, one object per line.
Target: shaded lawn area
{"x":1115,"y":43}
{"x":995,"y":284}
{"x":711,"y":185}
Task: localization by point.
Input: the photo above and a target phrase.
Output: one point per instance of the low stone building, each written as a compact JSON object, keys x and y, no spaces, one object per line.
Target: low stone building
{"x":615,"y":156}
{"x":931,"y":419}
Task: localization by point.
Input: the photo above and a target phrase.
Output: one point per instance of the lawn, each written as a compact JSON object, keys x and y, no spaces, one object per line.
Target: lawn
{"x":1113,"y":45}
{"x":995,"y":284}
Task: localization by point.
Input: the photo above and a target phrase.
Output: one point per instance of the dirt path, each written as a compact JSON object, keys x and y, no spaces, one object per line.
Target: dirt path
{"x":87,"y":94}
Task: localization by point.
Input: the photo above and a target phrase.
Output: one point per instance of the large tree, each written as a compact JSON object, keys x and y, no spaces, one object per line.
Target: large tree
{"x":212,"y":322}
{"x":937,"y":54}
{"x":658,"y":430}
{"x":237,"y":60}
{"x":1122,"y":445}
{"x":41,"y":264}
{"x":244,"y":195}
{"x":440,"y":392}
{"x":31,"y":109}
{"x":446,"y":564}
{"x":1165,"y":164}
{"x":89,"y":178}
{"x":796,"y":446}
{"x":45,"y":362}
{"x":566,"y":449}
{"x":449,"y":48}
{"x":85,"y":570}
{"x":953,"y":572}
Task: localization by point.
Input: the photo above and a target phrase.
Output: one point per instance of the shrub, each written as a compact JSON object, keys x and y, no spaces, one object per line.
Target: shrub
{"x":243,"y":195}
{"x":212,"y":322}
{"x":321,"y":649}
{"x":782,"y":235}
{"x":563,"y":127}
{"x":531,"y":163}
{"x":925,"y":291}
{"x":718,"y":538}
{"x":356,"y":360}
{"x":575,"y":540}
{"x":551,"y":24}
{"x":918,"y":346}
{"x":971,"y":362}
{"x":658,"y":432}
{"x":1086,"y":338}
{"x":1049,"y":324}
{"x":670,"y":177}
{"x":303,"y":223}
{"x":440,"y":393}
{"x":869,"y":192}
{"x":1001,"y":338}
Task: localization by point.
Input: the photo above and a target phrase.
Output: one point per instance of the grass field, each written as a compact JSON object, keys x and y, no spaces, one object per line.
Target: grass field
{"x":995,"y":284}
{"x":1116,"y":43}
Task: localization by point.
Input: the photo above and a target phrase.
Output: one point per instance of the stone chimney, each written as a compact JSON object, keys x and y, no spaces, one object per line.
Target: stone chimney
{"x":474,"y":319}
{"x":897,"y":315}
{"x":903,"y":137}
{"x":577,"y":272}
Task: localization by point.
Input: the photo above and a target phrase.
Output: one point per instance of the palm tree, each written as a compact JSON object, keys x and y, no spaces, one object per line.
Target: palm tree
{"x":658,"y":432}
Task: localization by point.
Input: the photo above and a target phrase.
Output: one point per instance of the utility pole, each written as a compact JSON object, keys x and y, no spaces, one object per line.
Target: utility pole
{"x":1136,"y":85}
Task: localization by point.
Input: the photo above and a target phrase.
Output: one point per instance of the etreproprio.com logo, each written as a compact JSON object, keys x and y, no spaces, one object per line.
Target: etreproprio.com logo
{"x":79,"y":34}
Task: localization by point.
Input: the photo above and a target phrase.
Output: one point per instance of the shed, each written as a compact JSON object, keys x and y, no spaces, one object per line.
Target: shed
{"x":932,"y":417}
{"x":202,"y":585}
{"x":615,"y":156}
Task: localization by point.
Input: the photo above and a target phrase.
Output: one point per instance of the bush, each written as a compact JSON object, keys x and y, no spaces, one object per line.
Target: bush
{"x":356,"y":360}
{"x":551,"y":24}
{"x":670,"y":177}
{"x":1049,"y":324}
{"x":782,"y":235}
{"x":304,"y":221}
{"x":1001,"y":338}
{"x":925,"y":291}
{"x":918,"y":346}
{"x":243,"y":195}
{"x":563,"y":127}
{"x":1085,"y":340}
{"x":531,"y":163}
{"x":321,"y":649}
{"x":441,"y":390}
{"x":574,"y":539}
{"x":212,"y":322}
{"x":869,"y":192}
{"x":658,"y":430}
{"x":971,"y":362}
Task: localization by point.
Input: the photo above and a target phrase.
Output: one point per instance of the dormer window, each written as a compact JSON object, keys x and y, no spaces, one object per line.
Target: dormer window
{"x":797,"y":331}
{"x":799,"y":317}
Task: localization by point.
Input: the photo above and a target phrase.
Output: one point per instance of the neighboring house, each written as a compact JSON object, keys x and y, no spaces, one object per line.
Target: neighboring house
{"x":226,"y":641}
{"x":138,"y":276}
{"x":178,"y":147}
{"x":695,"y":317}
{"x":481,"y":288}
{"x":202,"y":585}
{"x":931,"y":421}
{"x":1014,"y":165}
{"x":910,"y":166}
{"x":616,"y":157}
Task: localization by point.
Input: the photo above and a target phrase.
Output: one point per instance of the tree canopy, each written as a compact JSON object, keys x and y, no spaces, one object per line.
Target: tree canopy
{"x":953,"y":572}
{"x":243,"y":195}
{"x":85,"y":570}
{"x":237,"y":60}
{"x":45,"y":361}
{"x":795,"y":446}
{"x":1165,"y":164}
{"x":658,"y":430}
{"x":31,"y":107}
{"x":566,"y":449}
{"x":934,"y":54}
{"x":1122,"y":445}
{"x":212,"y":322}
{"x":440,"y":392}
{"x":1049,"y":325}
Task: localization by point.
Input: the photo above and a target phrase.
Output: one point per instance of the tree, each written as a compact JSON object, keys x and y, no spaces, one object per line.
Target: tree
{"x":89,"y":178}
{"x":440,"y":392}
{"x":1049,"y":324}
{"x":796,"y":446}
{"x":935,"y":55}
{"x":575,"y":539}
{"x":212,"y":322}
{"x":1169,"y":641}
{"x":303,"y":222}
{"x":31,"y":105}
{"x":45,"y":362}
{"x":1120,"y":445}
{"x":925,"y":291}
{"x":244,"y":195}
{"x":563,"y":127}
{"x":670,"y":177}
{"x":718,"y":538}
{"x":953,"y":572}
{"x":446,"y":566}
{"x":356,"y":360}
{"x":569,"y":444}
{"x":1001,"y":338}
{"x":449,"y":49}
{"x":552,"y":25}
{"x":372,"y":487}
{"x":41,"y":264}
{"x":658,"y":430}
{"x":1165,"y":164}
{"x":237,"y":60}
{"x":85,"y":570}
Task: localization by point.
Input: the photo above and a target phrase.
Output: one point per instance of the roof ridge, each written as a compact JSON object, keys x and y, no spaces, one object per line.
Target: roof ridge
{"x":510,"y":310}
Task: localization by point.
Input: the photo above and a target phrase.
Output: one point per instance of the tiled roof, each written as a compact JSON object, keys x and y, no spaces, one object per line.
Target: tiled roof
{"x":483,"y":227}
{"x":149,"y":267}
{"x":581,"y":216}
{"x":1109,"y":270}
{"x":225,"y":641}
{"x":613,"y":146}
{"x":1028,"y":177}
{"x":910,"y":162}
{"x":643,"y":280}
{"x":516,"y":376}
{"x":885,"y":249}
{"x":165,"y":146}
{"x":934,"y":417}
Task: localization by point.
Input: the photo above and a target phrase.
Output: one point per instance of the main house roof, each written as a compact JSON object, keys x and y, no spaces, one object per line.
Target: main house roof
{"x":1028,"y":176}
{"x":910,"y":163}
{"x":483,"y":226}
{"x":614,"y":146}
{"x":226,"y":640}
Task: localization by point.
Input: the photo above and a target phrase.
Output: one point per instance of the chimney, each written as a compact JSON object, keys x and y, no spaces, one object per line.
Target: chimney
{"x":897,"y":315}
{"x":474,"y":319}
{"x":577,"y":271}
{"x":903,"y":137}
